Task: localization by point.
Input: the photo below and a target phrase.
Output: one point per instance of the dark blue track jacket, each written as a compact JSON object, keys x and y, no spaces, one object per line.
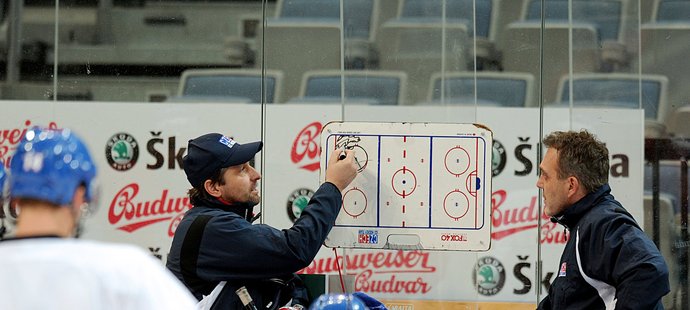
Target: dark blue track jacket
{"x":234,"y":250}
{"x":608,"y":261}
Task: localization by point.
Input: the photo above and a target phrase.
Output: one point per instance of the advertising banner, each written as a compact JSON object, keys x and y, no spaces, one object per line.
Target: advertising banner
{"x":138,"y":149}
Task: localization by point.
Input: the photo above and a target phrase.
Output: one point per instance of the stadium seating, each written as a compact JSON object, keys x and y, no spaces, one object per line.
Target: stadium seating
{"x":306,"y":35}
{"x":506,"y":89}
{"x":455,"y":11}
{"x":604,"y":15}
{"x":619,"y":90}
{"x":616,"y":20}
{"x":229,"y":85}
{"x":664,"y":45}
{"x":361,"y":87}
{"x":158,"y":34}
{"x":668,"y":234}
{"x":507,"y":12}
{"x":672,"y":11}
{"x":679,"y":123}
{"x":77,"y":26}
{"x":670,"y":190}
{"x":646,"y":10}
{"x":78,"y":88}
{"x":421,"y":40}
{"x":669,"y":180}
{"x":597,"y":42}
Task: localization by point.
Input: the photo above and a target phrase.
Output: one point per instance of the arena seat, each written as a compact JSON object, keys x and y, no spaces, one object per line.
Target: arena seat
{"x":604,"y":14}
{"x":229,"y":85}
{"x":670,"y":190}
{"x":669,"y":180}
{"x":357,"y":19}
{"x":91,"y":88}
{"x":506,"y":89}
{"x":161,"y":34}
{"x":673,"y":11}
{"x":507,"y":12}
{"x":679,"y":123}
{"x":609,"y":16}
{"x":361,"y":87}
{"x":669,"y":185}
{"x":646,"y":10}
{"x":295,"y":47}
{"x":420,"y":49}
{"x":522,"y":52}
{"x":77,"y":25}
{"x":668,"y":235}
{"x":479,"y":15}
{"x":361,"y":18}
{"x":664,"y":44}
{"x":597,"y":42}
{"x":306,"y":35}
{"x":621,"y":90}
{"x":456,"y":10}
{"x":421,"y":40}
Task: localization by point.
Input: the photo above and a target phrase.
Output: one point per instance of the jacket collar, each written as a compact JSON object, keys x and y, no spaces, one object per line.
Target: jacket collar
{"x":571,"y":215}
{"x":244,"y":210}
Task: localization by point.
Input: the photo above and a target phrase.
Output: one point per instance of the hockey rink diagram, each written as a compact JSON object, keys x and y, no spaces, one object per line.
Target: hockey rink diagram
{"x":413,"y":184}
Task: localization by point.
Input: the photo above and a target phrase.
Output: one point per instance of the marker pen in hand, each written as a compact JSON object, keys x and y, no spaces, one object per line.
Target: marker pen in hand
{"x":343,"y":154}
{"x":246,"y":298}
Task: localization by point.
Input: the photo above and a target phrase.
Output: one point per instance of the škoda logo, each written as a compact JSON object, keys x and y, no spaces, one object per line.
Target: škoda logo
{"x":122,"y":151}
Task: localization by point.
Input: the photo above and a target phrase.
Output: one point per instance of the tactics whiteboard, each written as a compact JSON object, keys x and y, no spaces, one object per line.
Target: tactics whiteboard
{"x":419,"y":186}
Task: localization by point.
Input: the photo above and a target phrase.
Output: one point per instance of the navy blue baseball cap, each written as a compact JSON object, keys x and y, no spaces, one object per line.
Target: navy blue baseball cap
{"x":210,"y":152}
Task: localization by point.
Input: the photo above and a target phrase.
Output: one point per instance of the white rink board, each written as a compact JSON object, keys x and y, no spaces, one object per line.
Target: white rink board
{"x":419,"y":186}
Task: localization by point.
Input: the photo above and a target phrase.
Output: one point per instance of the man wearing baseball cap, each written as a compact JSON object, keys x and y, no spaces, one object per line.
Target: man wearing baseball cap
{"x":216,"y":241}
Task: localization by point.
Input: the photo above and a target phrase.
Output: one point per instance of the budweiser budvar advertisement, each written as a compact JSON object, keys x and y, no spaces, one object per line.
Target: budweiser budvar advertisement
{"x":143,"y":188}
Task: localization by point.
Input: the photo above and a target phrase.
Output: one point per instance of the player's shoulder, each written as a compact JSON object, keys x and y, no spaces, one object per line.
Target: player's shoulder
{"x":608,"y":215}
{"x":122,"y":263}
{"x":97,"y":254}
{"x":118,"y":251}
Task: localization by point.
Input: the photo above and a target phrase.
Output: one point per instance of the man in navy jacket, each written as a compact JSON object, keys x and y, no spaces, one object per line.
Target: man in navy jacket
{"x":608,"y":261}
{"x":216,"y":240}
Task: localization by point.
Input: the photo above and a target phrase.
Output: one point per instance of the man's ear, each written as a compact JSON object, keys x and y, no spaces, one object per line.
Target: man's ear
{"x":574,"y":188}
{"x":79,"y":198}
{"x":212,"y":188}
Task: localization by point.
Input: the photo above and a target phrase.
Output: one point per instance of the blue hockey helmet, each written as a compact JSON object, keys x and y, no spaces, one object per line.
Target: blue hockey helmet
{"x":50,"y":165}
{"x":338,"y":302}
